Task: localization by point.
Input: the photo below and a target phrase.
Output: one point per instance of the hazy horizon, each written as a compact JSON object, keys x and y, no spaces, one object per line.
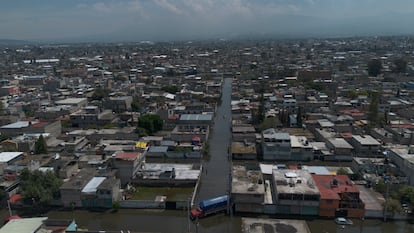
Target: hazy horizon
{"x":161,"y":20}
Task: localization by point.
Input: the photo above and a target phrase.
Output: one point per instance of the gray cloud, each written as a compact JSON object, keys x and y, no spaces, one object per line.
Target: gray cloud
{"x":181,"y":19}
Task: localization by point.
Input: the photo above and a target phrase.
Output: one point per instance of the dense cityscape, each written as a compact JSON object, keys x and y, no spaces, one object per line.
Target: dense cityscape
{"x":274,"y":133}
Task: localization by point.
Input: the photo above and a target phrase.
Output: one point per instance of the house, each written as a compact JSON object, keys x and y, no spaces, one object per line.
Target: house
{"x":70,"y":191}
{"x":54,"y":128}
{"x":340,"y":148}
{"x":127,"y":164}
{"x":167,"y":174}
{"x":339,"y":197}
{"x":240,"y":133}
{"x":74,"y":103}
{"x":101,"y":192}
{"x":23,"y":225}
{"x":196,"y":119}
{"x":118,"y":104}
{"x":247,"y":190}
{"x":301,"y":149}
{"x":185,"y":133}
{"x":365,"y":145}
{"x":295,"y":192}
{"x":243,"y":150}
{"x":91,"y":116}
{"x":276,"y":145}
{"x":9,"y":158}
{"x":403,"y":158}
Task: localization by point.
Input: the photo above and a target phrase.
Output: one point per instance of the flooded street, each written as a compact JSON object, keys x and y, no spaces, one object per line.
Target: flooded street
{"x":214,"y":182}
{"x":215,"y":179}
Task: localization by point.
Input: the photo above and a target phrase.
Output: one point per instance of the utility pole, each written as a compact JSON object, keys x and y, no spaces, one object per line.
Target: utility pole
{"x":386,"y":199}
{"x":188,"y":215}
{"x":10,"y":210}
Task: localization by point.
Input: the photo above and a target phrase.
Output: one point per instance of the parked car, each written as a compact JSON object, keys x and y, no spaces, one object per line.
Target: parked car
{"x":343,"y":221}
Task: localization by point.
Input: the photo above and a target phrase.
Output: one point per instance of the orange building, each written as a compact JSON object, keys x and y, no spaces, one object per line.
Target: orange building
{"x":339,"y":197}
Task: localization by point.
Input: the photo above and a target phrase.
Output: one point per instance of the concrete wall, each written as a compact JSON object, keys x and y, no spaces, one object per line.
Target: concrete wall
{"x":141,"y":204}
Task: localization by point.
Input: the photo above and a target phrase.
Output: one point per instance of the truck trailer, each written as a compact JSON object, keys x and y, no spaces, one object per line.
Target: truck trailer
{"x":210,"y":206}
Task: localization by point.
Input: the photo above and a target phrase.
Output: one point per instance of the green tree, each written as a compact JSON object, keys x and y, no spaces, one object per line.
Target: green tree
{"x":373,"y":119}
{"x":170,"y":89}
{"x":406,"y":194}
{"x":380,"y":187}
{"x":151,"y":123}
{"x":39,"y":187}
{"x":400,"y":65}
{"x":28,"y":110}
{"x":392,"y":206}
{"x":136,"y":105}
{"x":261,"y":110}
{"x":299,"y":121}
{"x":374,"y":67}
{"x":100,"y":93}
{"x":270,"y":122}
{"x":40,"y":146}
{"x":342,"y":171}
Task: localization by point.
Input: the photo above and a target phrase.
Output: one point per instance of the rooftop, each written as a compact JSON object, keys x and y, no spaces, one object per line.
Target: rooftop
{"x":182,"y":171}
{"x":259,"y":225}
{"x":294,"y":181}
{"x":196,"y":117}
{"x":23,"y":225}
{"x":247,"y":181}
{"x":127,"y":155}
{"x":330,"y":186}
{"x":70,"y":101}
{"x":92,"y":185}
{"x":340,"y":143}
{"x":366,"y":140}
{"x":7,"y":156}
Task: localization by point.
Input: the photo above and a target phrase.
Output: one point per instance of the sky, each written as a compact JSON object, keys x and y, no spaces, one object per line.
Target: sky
{"x":162,"y":20}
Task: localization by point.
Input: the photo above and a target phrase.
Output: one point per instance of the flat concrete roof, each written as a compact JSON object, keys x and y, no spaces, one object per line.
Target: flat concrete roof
{"x":404,"y":154}
{"x":294,"y":181}
{"x":299,"y":142}
{"x":260,"y":225}
{"x":340,"y":143}
{"x":325,"y":123}
{"x":182,"y":171}
{"x":23,"y":225}
{"x":243,"y":148}
{"x":246,"y":181}
{"x":70,"y":101}
{"x":272,"y":133}
{"x":366,"y":140}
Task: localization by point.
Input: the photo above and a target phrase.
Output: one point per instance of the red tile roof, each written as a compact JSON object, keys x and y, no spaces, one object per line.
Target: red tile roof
{"x":127,"y":155}
{"x":329,"y":191}
{"x":39,"y":124}
{"x":346,"y":135}
{"x":15,"y":198}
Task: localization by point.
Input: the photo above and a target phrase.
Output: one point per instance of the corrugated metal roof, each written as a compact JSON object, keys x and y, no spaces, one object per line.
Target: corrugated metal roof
{"x":7,"y":156}
{"x":196,"y":117}
{"x":16,"y":125}
{"x":93,"y":184}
